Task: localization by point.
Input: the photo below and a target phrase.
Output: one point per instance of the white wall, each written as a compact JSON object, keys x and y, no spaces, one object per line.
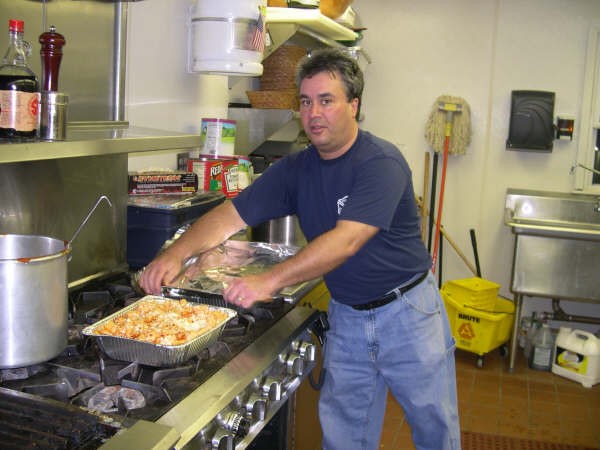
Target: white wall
{"x":159,"y":91}
{"x":479,"y":50}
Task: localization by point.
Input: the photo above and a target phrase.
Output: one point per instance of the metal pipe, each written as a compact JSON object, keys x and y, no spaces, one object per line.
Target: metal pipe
{"x":119,"y":61}
{"x":561,"y":315}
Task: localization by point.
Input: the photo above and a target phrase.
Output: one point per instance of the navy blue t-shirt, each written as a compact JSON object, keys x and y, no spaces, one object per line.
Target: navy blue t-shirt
{"x":371,"y":183}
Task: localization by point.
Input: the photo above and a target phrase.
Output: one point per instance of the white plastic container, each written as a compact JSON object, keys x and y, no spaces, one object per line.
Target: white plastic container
{"x":227,"y":37}
{"x":577,"y":356}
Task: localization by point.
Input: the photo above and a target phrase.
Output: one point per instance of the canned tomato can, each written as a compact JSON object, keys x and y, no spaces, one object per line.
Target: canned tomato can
{"x":209,"y":171}
{"x":230,"y":176}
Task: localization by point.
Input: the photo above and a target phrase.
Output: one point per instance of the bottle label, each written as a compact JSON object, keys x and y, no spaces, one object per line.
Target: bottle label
{"x":542,"y":356}
{"x":19,"y":110}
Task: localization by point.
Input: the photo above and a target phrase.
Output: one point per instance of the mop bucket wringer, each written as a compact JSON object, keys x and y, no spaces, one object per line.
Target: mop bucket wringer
{"x":480,"y":320}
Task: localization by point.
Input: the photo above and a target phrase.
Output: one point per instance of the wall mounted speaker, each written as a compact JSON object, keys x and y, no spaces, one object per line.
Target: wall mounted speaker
{"x":531,"y":121}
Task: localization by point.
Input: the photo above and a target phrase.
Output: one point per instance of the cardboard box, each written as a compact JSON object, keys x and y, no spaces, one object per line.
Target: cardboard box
{"x":144,"y":183}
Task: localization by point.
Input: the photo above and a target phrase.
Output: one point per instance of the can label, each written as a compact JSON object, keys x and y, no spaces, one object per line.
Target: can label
{"x":245,"y":172}
{"x":218,"y":136}
{"x":209,"y":172}
{"x":230,"y":177}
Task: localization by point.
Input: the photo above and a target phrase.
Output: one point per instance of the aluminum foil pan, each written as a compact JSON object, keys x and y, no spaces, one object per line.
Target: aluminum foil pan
{"x":210,"y":272}
{"x":132,"y":350}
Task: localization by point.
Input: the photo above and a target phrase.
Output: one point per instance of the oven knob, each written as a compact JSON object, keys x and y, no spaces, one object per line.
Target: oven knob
{"x":272,"y":389}
{"x":202,"y":439}
{"x":234,"y":422}
{"x":308,"y":351}
{"x":256,"y":407}
{"x":223,"y":440}
{"x":294,"y":364}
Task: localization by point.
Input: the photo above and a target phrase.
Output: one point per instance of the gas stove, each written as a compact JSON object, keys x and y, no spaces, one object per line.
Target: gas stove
{"x":221,"y":398}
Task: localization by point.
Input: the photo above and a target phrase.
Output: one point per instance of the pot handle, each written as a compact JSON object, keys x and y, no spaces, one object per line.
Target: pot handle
{"x":102,"y":197}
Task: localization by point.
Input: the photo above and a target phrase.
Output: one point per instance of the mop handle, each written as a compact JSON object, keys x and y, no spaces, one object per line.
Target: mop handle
{"x":436,"y":240}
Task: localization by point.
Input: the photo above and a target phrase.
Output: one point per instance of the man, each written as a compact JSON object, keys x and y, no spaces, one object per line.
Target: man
{"x":353,"y":195}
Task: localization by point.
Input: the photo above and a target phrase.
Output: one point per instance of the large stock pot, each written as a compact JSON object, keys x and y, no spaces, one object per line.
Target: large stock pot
{"x":34,"y":297}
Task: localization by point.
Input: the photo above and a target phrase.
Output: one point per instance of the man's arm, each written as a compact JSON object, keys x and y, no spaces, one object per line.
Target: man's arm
{"x":319,"y":257}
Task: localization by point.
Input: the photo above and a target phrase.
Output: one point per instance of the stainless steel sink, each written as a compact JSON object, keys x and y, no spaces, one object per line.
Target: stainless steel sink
{"x":557,"y":244}
{"x":557,"y":248}
{"x":559,"y":214}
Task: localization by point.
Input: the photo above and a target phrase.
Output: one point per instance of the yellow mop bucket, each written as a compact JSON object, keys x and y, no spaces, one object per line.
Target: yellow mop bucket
{"x":480,"y":320}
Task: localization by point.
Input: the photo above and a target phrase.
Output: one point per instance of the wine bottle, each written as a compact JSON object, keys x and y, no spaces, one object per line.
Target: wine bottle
{"x":19,"y":88}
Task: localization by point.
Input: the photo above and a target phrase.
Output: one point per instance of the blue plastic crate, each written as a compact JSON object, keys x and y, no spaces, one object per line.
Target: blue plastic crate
{"x":148,"y":228}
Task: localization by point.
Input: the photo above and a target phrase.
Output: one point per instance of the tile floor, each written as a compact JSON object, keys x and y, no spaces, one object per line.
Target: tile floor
{"x":526,"y":403}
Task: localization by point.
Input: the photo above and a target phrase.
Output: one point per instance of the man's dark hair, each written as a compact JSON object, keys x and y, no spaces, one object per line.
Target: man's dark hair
{"x":335,"y":61}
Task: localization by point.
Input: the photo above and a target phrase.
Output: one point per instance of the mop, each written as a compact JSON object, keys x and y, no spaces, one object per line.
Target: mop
{"x":449,"y":118}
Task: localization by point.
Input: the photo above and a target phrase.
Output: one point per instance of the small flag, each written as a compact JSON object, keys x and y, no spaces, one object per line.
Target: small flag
{"x":258,"y":38}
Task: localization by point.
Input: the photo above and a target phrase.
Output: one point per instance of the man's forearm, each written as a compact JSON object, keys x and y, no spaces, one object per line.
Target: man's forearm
{"x":208,"y":231}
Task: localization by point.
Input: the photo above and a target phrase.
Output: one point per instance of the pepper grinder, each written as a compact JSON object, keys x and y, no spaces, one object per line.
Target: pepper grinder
{"x":53,"y":104}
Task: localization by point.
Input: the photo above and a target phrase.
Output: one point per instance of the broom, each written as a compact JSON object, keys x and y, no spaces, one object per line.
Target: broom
{"x":449,"y":118}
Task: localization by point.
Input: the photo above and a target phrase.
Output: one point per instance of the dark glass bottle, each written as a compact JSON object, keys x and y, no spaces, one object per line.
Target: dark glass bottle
{"x":19,"y":88}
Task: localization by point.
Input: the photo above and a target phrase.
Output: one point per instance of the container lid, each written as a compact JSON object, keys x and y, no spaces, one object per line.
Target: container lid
{"x":169,"y":201}
{"x":16,"y":25}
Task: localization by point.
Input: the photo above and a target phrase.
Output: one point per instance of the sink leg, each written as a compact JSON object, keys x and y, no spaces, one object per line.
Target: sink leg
{"x":518,"y":299}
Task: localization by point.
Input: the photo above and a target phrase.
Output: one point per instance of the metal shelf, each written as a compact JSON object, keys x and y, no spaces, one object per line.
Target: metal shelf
{"x":305,"y":27}
{"x":97,"y":138}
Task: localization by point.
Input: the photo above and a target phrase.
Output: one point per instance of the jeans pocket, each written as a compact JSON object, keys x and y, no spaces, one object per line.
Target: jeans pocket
{"x":424,"y":298}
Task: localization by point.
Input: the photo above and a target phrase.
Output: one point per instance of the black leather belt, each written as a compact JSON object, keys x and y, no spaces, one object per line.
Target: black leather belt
{"x":388,"y":298}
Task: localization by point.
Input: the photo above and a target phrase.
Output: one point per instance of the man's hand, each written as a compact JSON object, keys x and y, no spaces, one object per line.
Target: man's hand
{"x":247,"y":290}
{"x":160,"y":271}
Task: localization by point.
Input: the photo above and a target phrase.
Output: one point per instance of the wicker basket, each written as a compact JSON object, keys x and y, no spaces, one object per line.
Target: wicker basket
{"x":333,"y":8}
{"x":279,"y":68}
{"x":274,"y":99}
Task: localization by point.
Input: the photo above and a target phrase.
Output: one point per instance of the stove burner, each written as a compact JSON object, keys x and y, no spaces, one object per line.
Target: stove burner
{"x":115,"y":399}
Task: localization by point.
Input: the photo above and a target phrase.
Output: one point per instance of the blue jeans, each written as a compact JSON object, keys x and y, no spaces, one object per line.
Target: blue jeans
{"x":406,"y":345}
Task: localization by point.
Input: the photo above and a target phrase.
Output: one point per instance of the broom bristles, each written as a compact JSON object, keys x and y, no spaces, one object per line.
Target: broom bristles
{"x":435,"y":129}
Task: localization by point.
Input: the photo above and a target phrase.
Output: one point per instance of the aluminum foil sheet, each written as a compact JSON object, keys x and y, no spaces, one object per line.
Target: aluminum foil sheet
{"x":211,"y":271}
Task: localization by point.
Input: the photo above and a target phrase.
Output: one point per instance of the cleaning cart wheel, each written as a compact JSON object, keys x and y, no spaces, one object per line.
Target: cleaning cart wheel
{"x":504,"y":350}
{"x":480,"y":362}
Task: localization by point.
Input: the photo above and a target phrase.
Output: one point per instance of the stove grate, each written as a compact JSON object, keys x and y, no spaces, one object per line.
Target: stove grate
{"x":26,"y":422}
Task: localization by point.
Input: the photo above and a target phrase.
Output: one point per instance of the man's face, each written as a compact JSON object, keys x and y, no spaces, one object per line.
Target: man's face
{"x":327,"y":116}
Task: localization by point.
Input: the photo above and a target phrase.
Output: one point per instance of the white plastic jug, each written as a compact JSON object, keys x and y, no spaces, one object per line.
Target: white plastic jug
{"x":577,"y":356}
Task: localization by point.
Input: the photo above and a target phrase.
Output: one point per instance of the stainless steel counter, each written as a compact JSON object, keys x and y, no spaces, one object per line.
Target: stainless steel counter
{"x":193,"y":418}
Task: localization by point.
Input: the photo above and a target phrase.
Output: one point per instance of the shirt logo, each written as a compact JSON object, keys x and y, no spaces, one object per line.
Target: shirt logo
{"x":340,"y":203}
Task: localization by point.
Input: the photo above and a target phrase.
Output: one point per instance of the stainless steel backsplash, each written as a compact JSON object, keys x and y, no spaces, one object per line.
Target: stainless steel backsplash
{"x":88,"y":68}
{"x":51,"y":197}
